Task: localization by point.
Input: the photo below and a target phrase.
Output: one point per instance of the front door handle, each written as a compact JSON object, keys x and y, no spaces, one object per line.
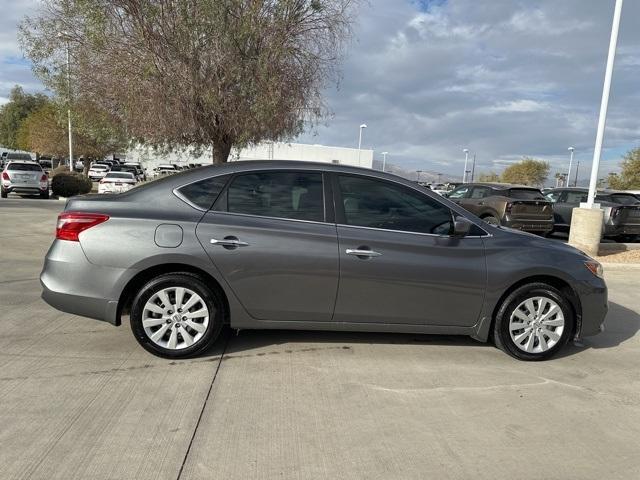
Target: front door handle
{"x":232,"y":242}
{"x":360,"y":252}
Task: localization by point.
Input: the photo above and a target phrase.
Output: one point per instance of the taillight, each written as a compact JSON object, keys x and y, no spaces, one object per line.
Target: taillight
{"x":71,"y":224}
{"x":615,"y":211}
{"x":5,"y":176}
{"x":43,"y":178}
{"x":508,"y":207}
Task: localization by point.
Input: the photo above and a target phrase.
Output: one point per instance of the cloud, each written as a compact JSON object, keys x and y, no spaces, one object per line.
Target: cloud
{"x":504,"y":78}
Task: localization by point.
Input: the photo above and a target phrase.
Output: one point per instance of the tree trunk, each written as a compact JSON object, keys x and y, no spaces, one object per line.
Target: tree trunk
{"x":86,"y":164}
{"x":220,"y":151}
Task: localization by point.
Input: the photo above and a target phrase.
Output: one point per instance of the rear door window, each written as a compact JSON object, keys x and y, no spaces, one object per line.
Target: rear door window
{"x":480,"y":192}
{"x":574,"y":197}
{"x":292,"y":195}
{"x":460,"y":192}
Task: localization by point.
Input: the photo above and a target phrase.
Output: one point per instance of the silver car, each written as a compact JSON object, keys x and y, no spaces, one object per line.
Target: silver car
{"x":296,"y":245}
{"x":24,"y":177}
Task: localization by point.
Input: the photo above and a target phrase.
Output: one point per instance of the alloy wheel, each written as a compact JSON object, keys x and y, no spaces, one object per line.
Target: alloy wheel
{"x":536,"y":324}
{"x":175,"y":318}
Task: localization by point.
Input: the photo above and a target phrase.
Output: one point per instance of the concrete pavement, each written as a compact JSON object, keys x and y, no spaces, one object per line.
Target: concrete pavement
{"x":81,"y":400}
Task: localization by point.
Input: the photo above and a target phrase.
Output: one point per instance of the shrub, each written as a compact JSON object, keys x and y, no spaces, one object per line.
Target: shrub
{"x":68,"y":184}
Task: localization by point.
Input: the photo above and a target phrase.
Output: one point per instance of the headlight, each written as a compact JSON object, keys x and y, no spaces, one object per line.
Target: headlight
{"x":595,"y":268}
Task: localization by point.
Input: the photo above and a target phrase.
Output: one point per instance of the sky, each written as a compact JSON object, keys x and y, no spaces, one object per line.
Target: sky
{"x":505,"y":79}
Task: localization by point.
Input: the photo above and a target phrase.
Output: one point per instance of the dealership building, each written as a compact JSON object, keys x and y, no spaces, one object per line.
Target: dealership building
{"x":150,"y":158}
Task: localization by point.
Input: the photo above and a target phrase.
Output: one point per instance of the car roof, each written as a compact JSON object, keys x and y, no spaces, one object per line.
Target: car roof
{"x":500,"y":186}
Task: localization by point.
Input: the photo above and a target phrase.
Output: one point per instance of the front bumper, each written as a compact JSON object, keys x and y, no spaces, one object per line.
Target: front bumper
{"x":594,"y":304}
{"x":70,"y":283}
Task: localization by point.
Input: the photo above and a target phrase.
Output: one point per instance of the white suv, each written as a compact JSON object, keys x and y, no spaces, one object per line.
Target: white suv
{"x":24,"y":177}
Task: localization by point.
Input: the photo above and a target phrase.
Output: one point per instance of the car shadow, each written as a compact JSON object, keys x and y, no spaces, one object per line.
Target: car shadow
{"x":620,"y":325}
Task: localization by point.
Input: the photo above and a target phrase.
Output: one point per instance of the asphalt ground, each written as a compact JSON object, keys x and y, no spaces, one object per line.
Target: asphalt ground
{"x":81,"y":400}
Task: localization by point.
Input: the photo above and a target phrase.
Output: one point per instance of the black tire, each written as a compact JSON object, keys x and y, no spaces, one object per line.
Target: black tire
{"x":491,"y":220}
{"x":44,"y":195}
{"x":3,"y":193}
{"x":210,"y":297}
{"x":501,"y":333}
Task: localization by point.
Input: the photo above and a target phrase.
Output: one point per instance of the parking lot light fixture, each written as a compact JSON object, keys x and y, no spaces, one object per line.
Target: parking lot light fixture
{"x":613,"y":43}
{"x":362,"y":127}
{"x":466,"y":160}
{"x":571,"y":150}
{"x":384,"y":159}
{"x":65,"y":36}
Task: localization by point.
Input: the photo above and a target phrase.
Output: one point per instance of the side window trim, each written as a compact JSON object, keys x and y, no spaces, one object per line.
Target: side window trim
{"x":221,"y":205}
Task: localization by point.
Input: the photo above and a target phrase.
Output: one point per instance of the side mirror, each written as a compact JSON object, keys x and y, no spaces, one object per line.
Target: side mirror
{"x":461,"y":227}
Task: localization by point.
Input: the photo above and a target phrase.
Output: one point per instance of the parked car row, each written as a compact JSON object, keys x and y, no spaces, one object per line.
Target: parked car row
{"x":170,"y":168}
{"x":531,"y":210}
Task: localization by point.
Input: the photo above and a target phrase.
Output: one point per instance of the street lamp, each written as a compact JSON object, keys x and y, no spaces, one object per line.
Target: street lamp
{"x":466,"y":159}
{"x":362,"y":127}
{"x":571,"y":149}
{"x":65,"y":36}
{"x":384,"y":159}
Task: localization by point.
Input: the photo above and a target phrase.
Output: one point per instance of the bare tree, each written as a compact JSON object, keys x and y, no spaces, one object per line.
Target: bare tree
{"x":217,"y":73}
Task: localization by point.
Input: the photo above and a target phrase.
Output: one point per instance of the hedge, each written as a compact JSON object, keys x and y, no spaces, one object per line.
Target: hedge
{"x":68,"y":184}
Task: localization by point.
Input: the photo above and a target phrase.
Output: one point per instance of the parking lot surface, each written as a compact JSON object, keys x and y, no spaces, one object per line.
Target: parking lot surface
{"x":81,"y":400}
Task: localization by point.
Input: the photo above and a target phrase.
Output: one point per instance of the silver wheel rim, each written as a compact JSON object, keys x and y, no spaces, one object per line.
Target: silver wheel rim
{"x":536,"y":325}
{"x":175,"y":318}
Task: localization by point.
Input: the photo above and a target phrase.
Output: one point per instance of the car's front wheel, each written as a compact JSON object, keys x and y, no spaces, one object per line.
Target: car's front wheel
{"x":534,"y":322}
{"x":176,"y":315}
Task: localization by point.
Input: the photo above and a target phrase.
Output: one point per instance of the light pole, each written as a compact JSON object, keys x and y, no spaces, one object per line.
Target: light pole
{"x":362,"y":127}
{"x":466,"y":159}
{"x":575,"y":182}
{"x":585,"y":232}
{"x":418,"y":172}
{"x":65,"y":36}
{"x":384,"y":159}
{"x":571,"y":149}
{"x":604,"y":105}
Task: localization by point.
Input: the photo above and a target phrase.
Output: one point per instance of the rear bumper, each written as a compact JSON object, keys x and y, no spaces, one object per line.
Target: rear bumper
{"x":529,"y":225}
{"x":623,"y":229}
{"x":71,"y":284}
{"x":26,"y":189}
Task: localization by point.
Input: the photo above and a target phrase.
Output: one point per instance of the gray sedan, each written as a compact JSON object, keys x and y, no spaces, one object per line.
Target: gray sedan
{"x":298,"y":245}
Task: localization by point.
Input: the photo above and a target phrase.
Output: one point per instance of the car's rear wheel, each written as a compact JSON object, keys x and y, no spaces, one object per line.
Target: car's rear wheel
{"x":534,"y":322}
{"x":177,"y":315}
{"x":3,"y":193}
{"x":44,"y":195}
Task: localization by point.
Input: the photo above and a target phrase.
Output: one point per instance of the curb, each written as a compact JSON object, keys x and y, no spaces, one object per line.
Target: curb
{"x":620,"y":267}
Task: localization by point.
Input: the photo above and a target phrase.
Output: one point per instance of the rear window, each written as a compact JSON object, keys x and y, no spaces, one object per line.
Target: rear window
{"x":205,"y":192}
{"x":119,"y":175}
{"x":526,"y":194}
{"x":19,"y":156}
{"x":624,"y":198}
{"x":24,"y":167}
{"x":100,"y":167}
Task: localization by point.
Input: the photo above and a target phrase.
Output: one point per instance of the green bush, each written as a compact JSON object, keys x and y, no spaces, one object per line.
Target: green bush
{"x":68,"y":184}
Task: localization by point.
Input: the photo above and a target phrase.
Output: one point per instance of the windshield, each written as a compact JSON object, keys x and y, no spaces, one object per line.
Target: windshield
{"x":526,"y":194}
{"x":24,"y":167}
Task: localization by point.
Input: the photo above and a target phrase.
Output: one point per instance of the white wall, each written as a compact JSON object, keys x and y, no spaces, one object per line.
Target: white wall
{"x":151,"y":158}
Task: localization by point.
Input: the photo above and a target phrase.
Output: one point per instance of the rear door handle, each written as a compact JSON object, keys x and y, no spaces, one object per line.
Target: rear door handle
{"x":229,"y":242}
{"x":362,"y":253}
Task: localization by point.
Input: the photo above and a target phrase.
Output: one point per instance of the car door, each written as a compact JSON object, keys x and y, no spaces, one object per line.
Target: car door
{"x":269,"y":236}
{"x":398,"y":262}
{"x":473,"y":201}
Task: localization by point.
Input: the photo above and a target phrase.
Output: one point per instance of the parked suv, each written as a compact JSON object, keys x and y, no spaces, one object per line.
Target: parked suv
{"x":621,"y":211}
{"x":516,"y":206}
{"x":24,"y":177}
{"x":300,"y":245}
